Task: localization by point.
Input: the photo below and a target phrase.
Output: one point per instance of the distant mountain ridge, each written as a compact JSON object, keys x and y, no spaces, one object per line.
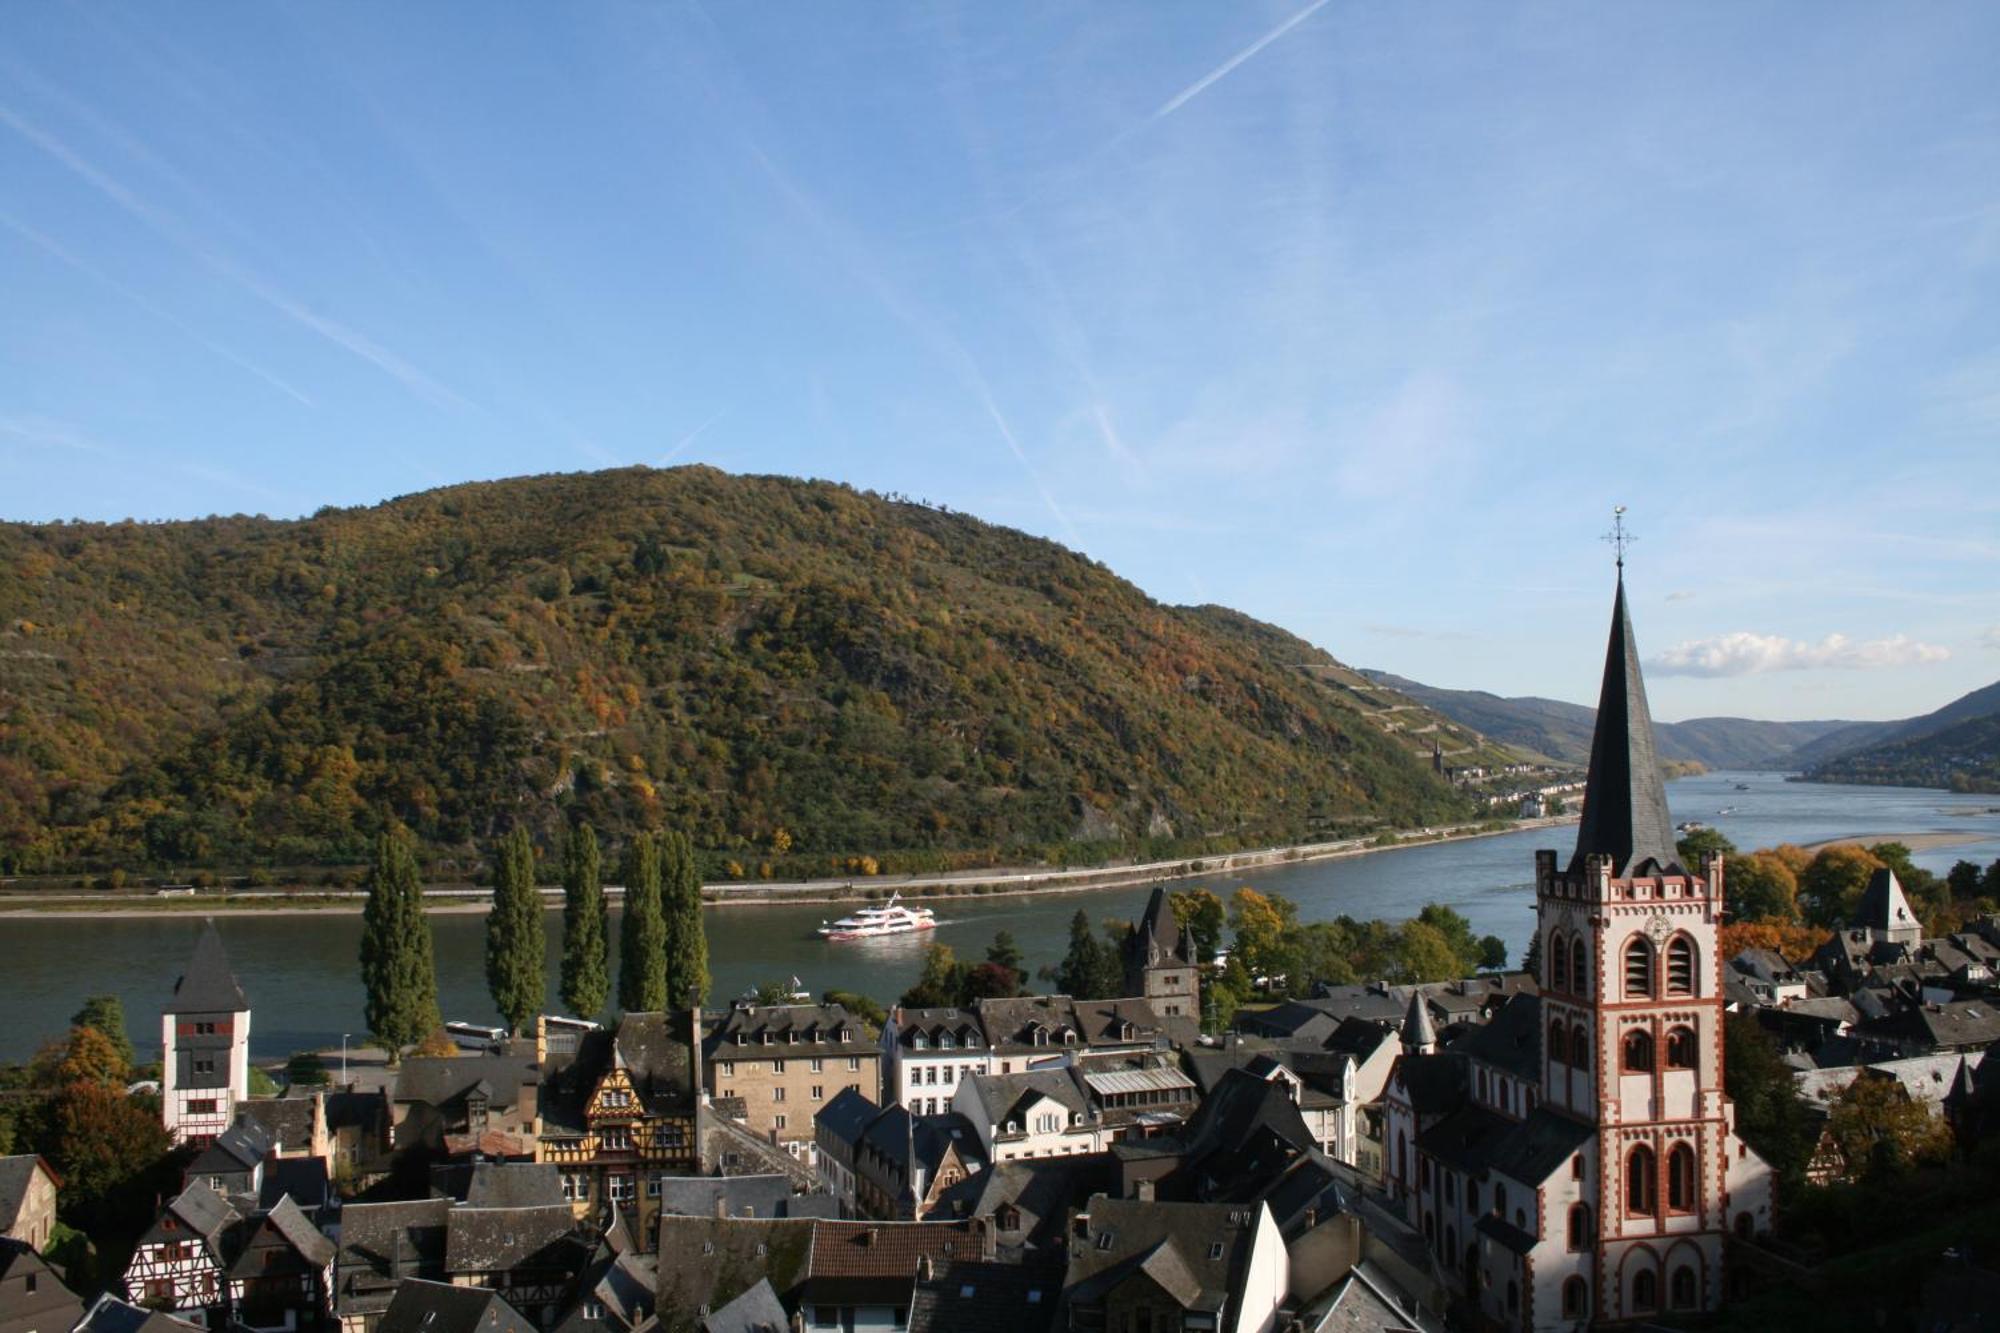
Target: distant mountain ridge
{"x":776,"y":667}
{"x":1562,"y":731}
{"x":1957,"y":746}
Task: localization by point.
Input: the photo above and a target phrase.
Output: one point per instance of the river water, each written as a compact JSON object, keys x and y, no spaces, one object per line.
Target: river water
{"x":301,"y":975}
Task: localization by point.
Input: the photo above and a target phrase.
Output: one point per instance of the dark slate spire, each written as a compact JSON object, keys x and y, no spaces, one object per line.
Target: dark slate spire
{"x":1159,"y":934}
{"x":1624,"y":802}
{"x":208,"y":986}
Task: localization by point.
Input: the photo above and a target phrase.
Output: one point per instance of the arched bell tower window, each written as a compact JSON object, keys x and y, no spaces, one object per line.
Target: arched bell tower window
{"x":1639,"y":969}
{"x":1680,"y":1048}
{"x":1579,"y":1047}
{"x":1637,"y":1052}
{"x":1680,"y":1179}
{"x":1576,"y":1298}
{"x":1641,"y":1198}
{"x":1558,"y":1041}
{"x":1681,"y":1288}
{"x":1579,"y":966}
{"x":1559,"y":960}
{"x":1680,"y":966}
{"x":1645,"y":1292}
{"x":1579,"y":1226}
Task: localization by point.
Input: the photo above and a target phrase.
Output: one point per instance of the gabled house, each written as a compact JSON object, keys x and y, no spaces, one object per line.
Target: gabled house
{"x":280,"y":1271}
{"x":110,"y":1314}
{"x":180,"y":1263}
{"x":927,"y":1053}
{"x":1137,"y":1263}
{"x":490,"y":1099}
{"x":381,"y":1246}
{"x":233,"y":1162}
{"x":531,"y":1256}
{"x":33,"y":1298}
{"x":1043,"y":1113}
{"x":783,"y":1062}
{"x":436,"y":1307}
{"x":618,"y":1115}
{"x":28,"y":1189}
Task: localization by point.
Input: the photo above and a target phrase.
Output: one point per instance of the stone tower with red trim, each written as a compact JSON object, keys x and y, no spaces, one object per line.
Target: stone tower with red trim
{"x":1632,"y":1025}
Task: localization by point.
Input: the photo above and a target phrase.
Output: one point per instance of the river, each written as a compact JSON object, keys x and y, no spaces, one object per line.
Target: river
{"x":301,"y":975}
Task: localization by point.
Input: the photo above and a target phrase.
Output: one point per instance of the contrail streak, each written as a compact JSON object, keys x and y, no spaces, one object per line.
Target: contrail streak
{"x":1216,"y":75}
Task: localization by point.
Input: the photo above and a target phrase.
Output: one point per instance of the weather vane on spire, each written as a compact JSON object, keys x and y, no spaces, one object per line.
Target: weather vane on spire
{"x":1618,"y":537}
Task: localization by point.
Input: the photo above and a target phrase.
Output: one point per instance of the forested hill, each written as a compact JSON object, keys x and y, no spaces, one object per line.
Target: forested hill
{"x":1957,"y":746}
{"x":759,"y":661}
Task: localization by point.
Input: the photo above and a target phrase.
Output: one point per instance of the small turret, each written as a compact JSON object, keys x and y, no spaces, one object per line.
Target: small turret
{"x":1419,"y":1034}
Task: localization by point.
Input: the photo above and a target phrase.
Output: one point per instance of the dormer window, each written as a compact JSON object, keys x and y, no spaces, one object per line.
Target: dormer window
{"x":1069,"y":1037}
{"x":840,"y":1035}
{"x":945,"y":1042}
{"x":920,"y":1042}
{"x":742,"y":1039}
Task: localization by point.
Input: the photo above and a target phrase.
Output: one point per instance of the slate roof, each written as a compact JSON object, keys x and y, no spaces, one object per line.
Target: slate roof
{"x":1041,"y":1190}
{"x":1511,"y":1041}
{"x":514,"y":1185}
{"x":238,"y":1148}
{"x":1002,"y":1097}
{"x":17,"y":1173}
{"x":438,"y":1307}
{"x":1466,"y":1139}
{"x":755,"y":1311}
{"x":1624,"y":798}
{"x":1365,"y":1301}
{"x":287,"y":1122}
{"x":301,"y":1179}
{"x":1196,"y":1251}
{"x":112,"y":1315}
{"x":208,"y":986}
{"x":196,"y":1210}
{"x":444,"y":1080}
{"x":487,"y":1240}
{"x":846,"y":1116}
{"x":1010,"y":1024}
{"x":854,"y":1263}
{"x":51,"y":1307}
{"x":383,"y":1242}
{"x":1539,"y":1146}
{"x":1883,"y":906}
{"x":778,"y":1031}
{"x":707,"y":1262}
{"x":977,"y":1296}
{"x":652,"y":1047}
{"x":738,"y":1196}
{"x":1434,"y":1084}
{"x":932,"y":1023}
{"x":1960,"y":1025}
{"x":1244,"y":1135}
{"x":306,"y":1241}
{"x":1158,"y":940}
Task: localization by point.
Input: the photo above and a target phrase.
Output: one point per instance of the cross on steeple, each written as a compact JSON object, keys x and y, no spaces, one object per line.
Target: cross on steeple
{"x":1618,"y":537}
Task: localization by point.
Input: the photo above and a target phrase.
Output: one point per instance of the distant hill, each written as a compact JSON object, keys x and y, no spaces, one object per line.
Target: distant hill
{"x":759,"y":661}
{"x":1958,"y":746}
{"x":1562,"y":731}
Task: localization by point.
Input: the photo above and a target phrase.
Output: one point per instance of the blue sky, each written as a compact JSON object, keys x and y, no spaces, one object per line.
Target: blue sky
{"x":1359,"y":318}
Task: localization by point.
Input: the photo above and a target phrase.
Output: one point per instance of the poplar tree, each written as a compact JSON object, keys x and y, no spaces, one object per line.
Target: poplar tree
{"x":642,"y":953}
{"x":397,"y":968}
{"x":586,"y":964}
{"x":686,"y":937}
{"x":515,"y":945}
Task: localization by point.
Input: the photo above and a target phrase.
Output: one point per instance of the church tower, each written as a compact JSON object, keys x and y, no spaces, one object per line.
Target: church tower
{"x":205,"y":1036}
{"x":1632,"y":1020}
{"x":1160,"y":963}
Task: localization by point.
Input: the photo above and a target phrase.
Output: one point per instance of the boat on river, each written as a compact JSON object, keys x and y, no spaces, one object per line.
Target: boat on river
{"x":892,"y":918}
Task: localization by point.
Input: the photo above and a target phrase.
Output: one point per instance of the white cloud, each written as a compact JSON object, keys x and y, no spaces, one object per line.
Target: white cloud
{"x":1745,"y":654}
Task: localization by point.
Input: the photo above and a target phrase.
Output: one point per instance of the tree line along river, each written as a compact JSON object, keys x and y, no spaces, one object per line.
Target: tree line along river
{"x":302,"y":977}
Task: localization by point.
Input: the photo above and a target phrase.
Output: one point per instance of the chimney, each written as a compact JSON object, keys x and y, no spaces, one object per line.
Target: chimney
{"x":1142,"y":1190}
{"x":923,"y":1268}
{"x":721,"y":1205}
{"x":697,"y":1076}
{"x":870,"y":1237}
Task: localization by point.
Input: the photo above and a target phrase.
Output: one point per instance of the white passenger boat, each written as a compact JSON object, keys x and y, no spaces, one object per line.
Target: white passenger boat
{"x":892,"y":918}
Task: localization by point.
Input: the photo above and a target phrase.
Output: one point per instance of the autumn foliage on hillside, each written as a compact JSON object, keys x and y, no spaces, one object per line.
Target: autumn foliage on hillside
{"x":737,"y":657}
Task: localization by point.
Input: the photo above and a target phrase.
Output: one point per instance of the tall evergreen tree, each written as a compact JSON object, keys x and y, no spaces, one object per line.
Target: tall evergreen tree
{"x":686,"y":936}
{"x":586,"y":964}
{"x":1083,"y":968}
{"x":397,"y":966}
{"x":515,"y":945}
{"x":642,"y":941}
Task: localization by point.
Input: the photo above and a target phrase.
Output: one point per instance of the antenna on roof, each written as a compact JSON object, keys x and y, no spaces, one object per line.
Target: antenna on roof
{"x":1619,"y":537}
